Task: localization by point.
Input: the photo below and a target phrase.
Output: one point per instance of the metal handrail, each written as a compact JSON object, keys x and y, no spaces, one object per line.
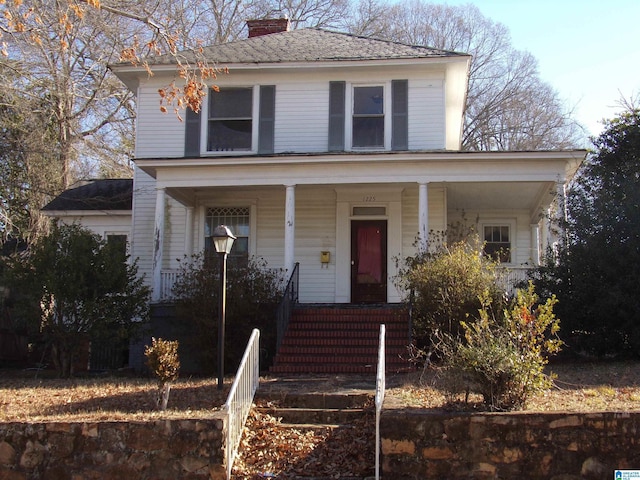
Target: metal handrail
{"x":241,"y":396}
{"x":289,"y":300}
{"x":381,"y":381}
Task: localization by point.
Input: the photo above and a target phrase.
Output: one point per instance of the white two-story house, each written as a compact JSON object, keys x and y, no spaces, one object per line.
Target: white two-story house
{"x":334,"y":151}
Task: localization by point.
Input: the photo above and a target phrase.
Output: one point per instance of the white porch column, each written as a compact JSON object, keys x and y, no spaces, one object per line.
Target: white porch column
{"x":158,"y":245}
{"x":535,"y":243}
{"x":423,"y":217}
{"x":289,"y":229}
{"x":188,"y":234}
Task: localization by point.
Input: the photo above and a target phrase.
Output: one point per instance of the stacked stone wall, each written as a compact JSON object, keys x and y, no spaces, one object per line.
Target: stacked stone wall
{"x":562,"y":446}
{"x":416,"y":444}
{"x":162,"y":449}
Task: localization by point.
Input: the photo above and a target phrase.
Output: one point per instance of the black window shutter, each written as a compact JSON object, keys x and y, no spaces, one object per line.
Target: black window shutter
{"x":266,"y":122}
{"x":336,"y":116}
{"x":192,"y":133}
{"x":400,"y":115}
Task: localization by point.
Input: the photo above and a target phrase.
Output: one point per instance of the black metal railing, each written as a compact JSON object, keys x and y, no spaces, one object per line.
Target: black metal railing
{"x":288,"y":302}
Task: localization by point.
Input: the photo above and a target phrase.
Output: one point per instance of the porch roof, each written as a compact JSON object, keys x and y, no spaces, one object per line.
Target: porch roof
{"x":484,"y":180}
{"x":365,"y":167}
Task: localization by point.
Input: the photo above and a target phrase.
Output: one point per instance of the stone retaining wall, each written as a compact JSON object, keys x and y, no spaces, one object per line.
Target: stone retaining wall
{"x":416,"y":444}
{"x":162,"y":449}
{"x":562,"y":446}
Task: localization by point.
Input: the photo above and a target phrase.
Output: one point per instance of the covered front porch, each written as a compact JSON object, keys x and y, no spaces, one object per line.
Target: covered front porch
{"x":347,"y":221}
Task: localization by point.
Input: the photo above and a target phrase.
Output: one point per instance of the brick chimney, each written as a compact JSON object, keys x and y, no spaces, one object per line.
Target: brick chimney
{"x":266,"y":26}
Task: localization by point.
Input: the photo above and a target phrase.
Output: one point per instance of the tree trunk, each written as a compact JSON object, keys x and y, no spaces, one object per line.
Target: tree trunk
{"x":163,"y":396}
{"x":61,"y":361}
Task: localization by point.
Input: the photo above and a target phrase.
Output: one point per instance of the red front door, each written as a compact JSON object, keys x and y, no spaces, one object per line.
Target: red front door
{"x":369,"y":261}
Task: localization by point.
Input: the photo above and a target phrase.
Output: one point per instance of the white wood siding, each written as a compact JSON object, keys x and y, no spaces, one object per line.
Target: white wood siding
{"x":270,"y":227}
{"x":144,"y":208}
{"x":102,"y":225}
{"x":302,"y":117}
{"x":316,"y":232}
{"x":157,"y":134}
{"x":426,"y":114}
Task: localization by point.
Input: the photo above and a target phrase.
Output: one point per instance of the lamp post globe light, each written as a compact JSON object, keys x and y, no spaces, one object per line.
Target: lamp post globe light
{"x":223,"y":242}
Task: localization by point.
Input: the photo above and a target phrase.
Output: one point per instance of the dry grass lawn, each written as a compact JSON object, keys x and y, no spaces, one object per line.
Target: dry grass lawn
{"x":579,"y":387}
{"x":607,"y":386}
{"x":100,"y":399}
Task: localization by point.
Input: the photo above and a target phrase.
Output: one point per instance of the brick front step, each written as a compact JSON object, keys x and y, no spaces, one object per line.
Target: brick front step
{"x":324,"y":368}
{"x":311,"y":340}
{"x":287,"y":350}
{"x":342,"y":340}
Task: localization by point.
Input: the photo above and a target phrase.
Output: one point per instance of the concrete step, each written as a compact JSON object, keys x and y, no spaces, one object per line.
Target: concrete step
{"x":314,"y":416}
{"x":314,"y":400}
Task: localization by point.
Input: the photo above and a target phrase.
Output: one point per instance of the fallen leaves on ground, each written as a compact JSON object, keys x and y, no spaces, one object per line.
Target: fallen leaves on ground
{"x":268,"y":449}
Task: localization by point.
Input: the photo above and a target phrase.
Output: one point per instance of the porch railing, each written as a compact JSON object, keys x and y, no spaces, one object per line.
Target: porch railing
{"x":288,"y":302}
{"x":511,"y":277}
{"x":167,"y":281}
{"x":240,"y":397}
{"x":380,"y":388}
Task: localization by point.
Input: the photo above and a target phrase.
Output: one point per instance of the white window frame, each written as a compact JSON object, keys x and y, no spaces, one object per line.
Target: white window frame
{"x":244,"y":203}
{"x":501,"y":222}
{"x":204,"y":132}
{"x":349,"y":114}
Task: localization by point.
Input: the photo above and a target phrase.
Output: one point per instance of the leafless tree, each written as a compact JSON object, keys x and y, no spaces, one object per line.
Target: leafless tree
{"x":367,"y":18}
{"x":54,"y":73}
{"x":62,"y":58}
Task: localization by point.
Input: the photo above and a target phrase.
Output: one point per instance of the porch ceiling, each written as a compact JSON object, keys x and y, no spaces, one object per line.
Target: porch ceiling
{"x":530,"y":196}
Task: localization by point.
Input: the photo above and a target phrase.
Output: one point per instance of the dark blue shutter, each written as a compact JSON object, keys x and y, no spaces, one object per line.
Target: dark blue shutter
{"x":266,"y":121}
{"x":192,"y":133}
{"x":400,"y":115}
{"x":336,"y":116}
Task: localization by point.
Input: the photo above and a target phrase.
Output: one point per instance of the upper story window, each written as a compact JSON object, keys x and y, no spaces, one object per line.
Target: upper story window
{"x":230,"y":125}
{"x":497,"y":242}
{"x":237,"y":119}
{"x":378,"y":116}
{"x":368,"y":117}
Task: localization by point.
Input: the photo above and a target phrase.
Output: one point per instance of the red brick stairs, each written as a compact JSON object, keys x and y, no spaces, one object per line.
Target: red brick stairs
{"x":342,"y":339}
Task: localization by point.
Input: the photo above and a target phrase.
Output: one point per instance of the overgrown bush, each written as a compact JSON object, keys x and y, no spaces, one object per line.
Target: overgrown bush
{"x":503,"y":357}
{"x":253,"y":293}
{"x":163,"y":361}
{"x":446,"y":285}
{"x":72,"y":286}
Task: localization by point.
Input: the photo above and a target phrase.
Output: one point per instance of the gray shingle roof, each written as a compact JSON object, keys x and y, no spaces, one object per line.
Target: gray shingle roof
{"x":309,"y":45}
{"x":107,"y":194}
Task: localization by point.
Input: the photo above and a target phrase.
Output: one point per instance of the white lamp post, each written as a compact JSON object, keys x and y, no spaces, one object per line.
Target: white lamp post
{"x":223,"y":241}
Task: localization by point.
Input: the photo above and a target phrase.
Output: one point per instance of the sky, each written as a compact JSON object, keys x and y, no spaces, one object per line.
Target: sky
{"x":587,"y":50}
